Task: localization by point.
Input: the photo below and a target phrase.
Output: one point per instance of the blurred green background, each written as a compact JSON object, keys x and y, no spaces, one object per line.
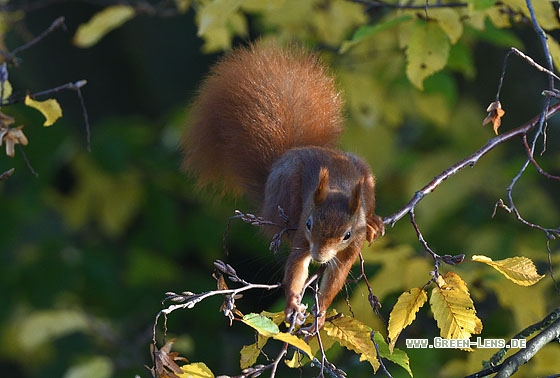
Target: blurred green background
{"x":91,"y":246}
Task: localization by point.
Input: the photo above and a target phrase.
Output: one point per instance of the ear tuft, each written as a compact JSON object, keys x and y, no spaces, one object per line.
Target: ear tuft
{"x":320,"y":194}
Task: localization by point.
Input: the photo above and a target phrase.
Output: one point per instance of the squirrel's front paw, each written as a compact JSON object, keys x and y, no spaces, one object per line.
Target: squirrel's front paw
{"x":295,"y":311}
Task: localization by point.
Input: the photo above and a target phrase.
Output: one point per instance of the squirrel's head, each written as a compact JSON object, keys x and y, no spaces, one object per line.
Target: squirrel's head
{"x":336,"y":220}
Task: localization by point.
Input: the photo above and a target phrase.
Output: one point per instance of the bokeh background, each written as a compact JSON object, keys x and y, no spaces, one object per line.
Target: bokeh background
{"x":90,"y":247}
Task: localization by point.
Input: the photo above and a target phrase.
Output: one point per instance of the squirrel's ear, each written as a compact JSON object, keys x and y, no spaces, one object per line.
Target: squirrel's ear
{"x":320,"y":194}
{"x":355,"y":198}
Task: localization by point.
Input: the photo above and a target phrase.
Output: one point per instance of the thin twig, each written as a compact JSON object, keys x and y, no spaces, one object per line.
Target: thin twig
{"x":10,"y":56}
{"x":381,"y":364}
{"x":467,"y":162}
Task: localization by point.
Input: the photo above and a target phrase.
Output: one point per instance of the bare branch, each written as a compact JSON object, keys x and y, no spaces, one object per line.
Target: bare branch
{"x":10,"y":56}
{"x":550,"y":326}
{"x":467,"y":162}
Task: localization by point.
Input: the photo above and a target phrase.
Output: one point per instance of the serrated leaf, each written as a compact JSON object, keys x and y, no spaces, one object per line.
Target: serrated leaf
{"x":453,"y":308}
{"x":396,"y":356}
{"x":50,"y":109}
{"x":101,"y":23}
{"x":404,"y":312}
{"x":263,"y":325}
{"x":520,"y":270}
{"x":427,"y":51}
{"x":294,"y":341}
{"x":353,"y":335}
{"x":196,"y":370}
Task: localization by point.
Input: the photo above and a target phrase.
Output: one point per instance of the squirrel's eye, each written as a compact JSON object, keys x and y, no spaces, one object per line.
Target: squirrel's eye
{"x":309,"y":223}
{"x":347,"y":235}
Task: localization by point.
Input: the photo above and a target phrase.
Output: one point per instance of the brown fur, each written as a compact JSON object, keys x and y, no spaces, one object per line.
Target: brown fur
{"x":264,"y":123}
{"x":256,"y":104}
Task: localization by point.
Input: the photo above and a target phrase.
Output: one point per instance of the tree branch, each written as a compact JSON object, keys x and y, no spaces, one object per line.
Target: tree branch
{"x":467,"y":162}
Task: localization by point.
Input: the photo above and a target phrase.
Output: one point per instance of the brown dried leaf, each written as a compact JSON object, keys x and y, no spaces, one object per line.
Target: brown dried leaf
{"x":495,"y":114}
{"x":12,"y":136}
{"x":164,"y":361}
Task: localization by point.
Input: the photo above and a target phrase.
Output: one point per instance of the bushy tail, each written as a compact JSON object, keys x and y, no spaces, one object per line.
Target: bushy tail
{"x":257,"y":103}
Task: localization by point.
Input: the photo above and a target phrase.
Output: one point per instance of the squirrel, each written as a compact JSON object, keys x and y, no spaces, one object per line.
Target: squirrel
{"x":264,"y":123}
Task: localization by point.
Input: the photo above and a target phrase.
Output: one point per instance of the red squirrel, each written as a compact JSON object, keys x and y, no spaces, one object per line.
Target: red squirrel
{"x":264,"y":123}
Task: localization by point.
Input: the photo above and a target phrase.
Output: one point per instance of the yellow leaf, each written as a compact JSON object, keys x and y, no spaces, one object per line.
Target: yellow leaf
{"x":450,"y":22}
{"x":427,"y":51}
{"x":6,"y":90}
{"x":50,"y":109}
{"x":404,"y":312}
{"x":101,"y":23}
{"x":294,"y":341}
{"x":453,"y":309}
{"x":554,"y":47}
{"x":295,"y":362}
{"x":196,"y":370}
{"x":218,"y":21}
{"x":355,"y":336}
{"x":544,"y":11}
{"x":520,"y":270}
{"x":249,"y":355}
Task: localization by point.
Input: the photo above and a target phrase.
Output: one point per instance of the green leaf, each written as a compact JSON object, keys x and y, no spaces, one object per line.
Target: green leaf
{"x":366,"y":31}
{"x":43,"y":327}
{"x":96,"y":366}
{"x":480,"y":5}
{"x":263,"y":325}
{"x":396,"y":356}
{"x":101,"y":23}
{"x":427,"y":52}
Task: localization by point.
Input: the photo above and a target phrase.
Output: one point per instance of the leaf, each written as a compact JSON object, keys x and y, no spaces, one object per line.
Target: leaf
{"x":366,"y":31}
{"x":520,"y":270}
{"x":249,"y":355}
{"x":554,"y":48}
{"x":495,"y":114}
{"x":294,"y":341}
{"x":354,"y":335}
{"x":404,"y":312}
{"x":5,"y":86}
{"x":50,"y":109}
{"x":196,"y":370}
{"x":96,"y":366}
{"x":101,"y":23}
{"x":218,"y":21}
{"x":43,"y":327}
{"x":263,"y":325}
{"x":164,"y":361}
{"x":450,"y":22}
{"x":397,"y":356}
{"x":453,"y":308}
{"x":427,"y":51}
{"x":12,"y":136}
